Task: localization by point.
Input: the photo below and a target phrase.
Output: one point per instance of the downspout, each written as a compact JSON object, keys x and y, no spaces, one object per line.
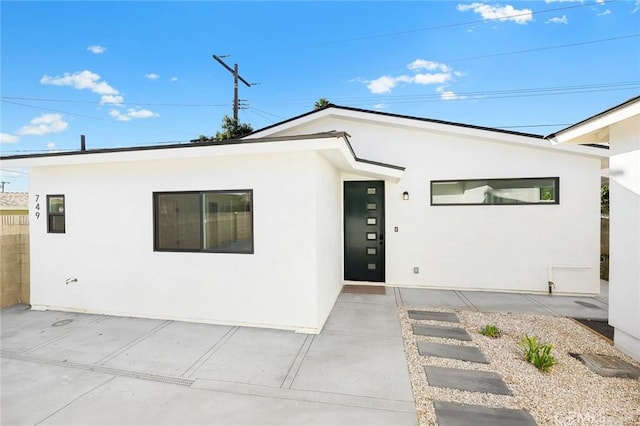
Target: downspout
{"x":552,"y":285}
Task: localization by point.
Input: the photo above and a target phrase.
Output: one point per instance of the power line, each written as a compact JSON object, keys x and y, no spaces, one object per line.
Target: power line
{"x":538,"y":49}
{"x":438,"y":27}
{"x":487,"y":94}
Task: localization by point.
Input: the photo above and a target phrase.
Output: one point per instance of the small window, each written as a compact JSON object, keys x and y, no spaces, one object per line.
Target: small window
{"x":212,"y":221}
{"x":55,"y":214}
{"x":495,"y":191}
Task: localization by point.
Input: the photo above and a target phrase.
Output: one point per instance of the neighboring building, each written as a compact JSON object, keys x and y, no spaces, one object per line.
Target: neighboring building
{"x":14,"y":203}
{"x":14,"y":248}
{"x":619,"y":127}
{"x":265,"y":231}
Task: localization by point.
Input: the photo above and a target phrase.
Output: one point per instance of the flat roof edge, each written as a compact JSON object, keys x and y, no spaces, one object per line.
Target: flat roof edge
{"x":322,"y":135}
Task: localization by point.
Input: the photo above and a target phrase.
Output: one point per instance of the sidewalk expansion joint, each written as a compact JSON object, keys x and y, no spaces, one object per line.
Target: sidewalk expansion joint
{"x":180,"y":381}
{"x":306,"y":395}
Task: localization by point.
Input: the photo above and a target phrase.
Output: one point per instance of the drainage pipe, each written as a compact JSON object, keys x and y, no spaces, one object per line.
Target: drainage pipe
{"x":552,"y":285}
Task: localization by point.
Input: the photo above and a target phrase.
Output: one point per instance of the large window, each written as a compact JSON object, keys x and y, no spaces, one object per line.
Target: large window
{"x":495,"y":191}
{"x":209,"y":221}
{"x":55,"y":214}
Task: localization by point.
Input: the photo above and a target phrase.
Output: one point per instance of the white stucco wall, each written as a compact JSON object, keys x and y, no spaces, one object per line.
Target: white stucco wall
{"x":328,"y":218}
{"x":624,"y":234}
{"x":506,"y":248}
{"x":108,"y":244}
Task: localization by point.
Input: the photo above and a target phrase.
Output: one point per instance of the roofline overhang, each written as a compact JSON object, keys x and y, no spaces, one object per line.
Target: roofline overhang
{"x":485,"y":133}
{"x":333,"y":145}
{"x":594,"y":129}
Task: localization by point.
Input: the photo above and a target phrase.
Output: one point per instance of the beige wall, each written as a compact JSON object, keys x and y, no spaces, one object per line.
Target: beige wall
{"x":14,"y":259}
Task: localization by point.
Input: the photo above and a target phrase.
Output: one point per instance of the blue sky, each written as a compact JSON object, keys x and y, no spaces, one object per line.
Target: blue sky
{"x":141,"y":73}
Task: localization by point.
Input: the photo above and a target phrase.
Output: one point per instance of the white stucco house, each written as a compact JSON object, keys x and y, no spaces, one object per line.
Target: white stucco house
{"x":266,"y":230}
{"x":619,"y":127}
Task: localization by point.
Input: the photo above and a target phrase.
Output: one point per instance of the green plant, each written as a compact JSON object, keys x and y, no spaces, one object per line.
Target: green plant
{"x":490,"y":330}
{"x":538,"y":354}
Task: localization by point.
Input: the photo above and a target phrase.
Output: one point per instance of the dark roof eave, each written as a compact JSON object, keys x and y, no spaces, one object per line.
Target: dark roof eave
{"x":183,"y":145}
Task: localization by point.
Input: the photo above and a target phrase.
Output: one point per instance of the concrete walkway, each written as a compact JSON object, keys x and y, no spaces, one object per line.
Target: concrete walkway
{"x":79,"y":369}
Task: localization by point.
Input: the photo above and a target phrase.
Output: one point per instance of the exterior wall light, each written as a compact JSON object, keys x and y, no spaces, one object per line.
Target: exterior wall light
{"x":405,"y":195}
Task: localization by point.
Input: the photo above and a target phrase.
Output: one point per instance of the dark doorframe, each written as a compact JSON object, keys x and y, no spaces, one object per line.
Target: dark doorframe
{"x":364,"y":231}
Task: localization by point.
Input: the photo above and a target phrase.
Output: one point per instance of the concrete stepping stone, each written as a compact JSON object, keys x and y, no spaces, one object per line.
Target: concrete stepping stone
{"x":466,"y":380}
{"x":433,"y":316}
{"x":456,"y":414}
{"x":456,"y":333}
{"x":442,"y":350}
{"x":608,"y":366}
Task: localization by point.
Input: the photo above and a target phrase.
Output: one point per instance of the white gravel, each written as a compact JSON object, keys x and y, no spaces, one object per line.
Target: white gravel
{"x":570,"y":394}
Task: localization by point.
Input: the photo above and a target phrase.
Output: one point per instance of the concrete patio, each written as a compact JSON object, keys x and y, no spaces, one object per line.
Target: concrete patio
{"x":79,"y":369}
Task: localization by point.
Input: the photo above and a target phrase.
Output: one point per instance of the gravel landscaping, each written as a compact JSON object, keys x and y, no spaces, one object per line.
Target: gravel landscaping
{"x":570,"y":394}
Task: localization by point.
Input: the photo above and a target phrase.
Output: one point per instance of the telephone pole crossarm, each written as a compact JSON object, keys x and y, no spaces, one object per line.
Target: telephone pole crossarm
{"x":236,"y":77}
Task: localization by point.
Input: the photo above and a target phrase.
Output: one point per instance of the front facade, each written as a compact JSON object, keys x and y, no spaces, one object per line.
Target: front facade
{"x":265,"y":231}
{"x":619,"y":127}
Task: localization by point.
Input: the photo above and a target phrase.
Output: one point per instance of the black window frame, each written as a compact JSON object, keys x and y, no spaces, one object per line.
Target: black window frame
{"x":555,"y":179}
{"x":201,"y":194}
{"x":51,"y":215}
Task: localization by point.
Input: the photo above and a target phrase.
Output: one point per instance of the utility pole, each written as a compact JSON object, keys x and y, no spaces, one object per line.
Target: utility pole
{"x":236,"y":77}
{"x":3,"y":183}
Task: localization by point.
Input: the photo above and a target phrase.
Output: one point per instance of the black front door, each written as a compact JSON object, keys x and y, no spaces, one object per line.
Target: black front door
{"x":364,"y":231}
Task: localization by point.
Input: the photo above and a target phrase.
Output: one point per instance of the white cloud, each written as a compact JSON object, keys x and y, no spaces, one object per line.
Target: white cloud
{"x":606,"y":12}
{"x":556,"y":20}
{"x":45,"y":124}
{"x":174,"y":79}
{"x":132,"y":113}
{"x":97,"y":49}
{"x":51,"y":146}
{"x":500,"y":13}
{"x":7,"y":138}
{"x":81,"y":80}
{"x":432,"y":78}
{"x":380,"y":106}
{"x":382,"y":84}
{"x":448,"y":95}
{"x":386,"y":83}
{"x":566,"y":1}
{"x":637,"y":7}
{"x":152,"y":76}
{"x":420,"y":64}
{"x":111,"y":99}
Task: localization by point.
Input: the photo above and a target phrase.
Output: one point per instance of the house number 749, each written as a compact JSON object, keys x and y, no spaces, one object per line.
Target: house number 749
{"x":37,"y":207}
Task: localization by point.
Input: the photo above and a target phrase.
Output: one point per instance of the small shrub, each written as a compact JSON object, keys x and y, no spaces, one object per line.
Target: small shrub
{"x":538,"y":354}
{"x":490,"y":331}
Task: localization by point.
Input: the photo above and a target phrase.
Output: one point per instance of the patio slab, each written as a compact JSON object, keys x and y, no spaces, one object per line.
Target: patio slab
{"x":97,"y":341}
{"x":356,"y":365}
{"x":149,"y":403}
{"x":455,"y":333}
{"x":466,"y":380}
{"x":171,"y":350}
{"x":364,"y":318}
{"x":253,"y":356}
{"x":433,"y":298}
{"x":462,"y":353}
{"x":455,"y":414}
{"x":32,"y":392}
